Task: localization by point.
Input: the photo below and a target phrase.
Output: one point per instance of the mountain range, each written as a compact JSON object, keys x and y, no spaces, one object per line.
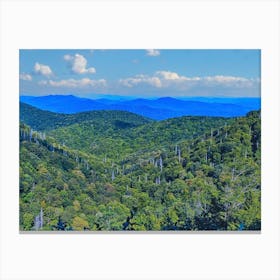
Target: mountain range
{"x":157,"y":109}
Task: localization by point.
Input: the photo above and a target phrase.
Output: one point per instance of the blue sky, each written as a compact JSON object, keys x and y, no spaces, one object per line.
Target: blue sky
{"x":141,"y":73}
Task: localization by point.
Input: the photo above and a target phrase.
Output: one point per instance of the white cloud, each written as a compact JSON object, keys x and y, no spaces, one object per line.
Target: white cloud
{"x":161,"y":79}
{"x":230,"y":81}
{"x":168,"y":75}
{"x":25,"y":77}
{"x":73,"y":83}
{"x":140,"y":79}
{"x":172,"y":80}
{"x":152,"y":52}
{"x":173,"y":76}
{"x":42,"y":69}
{"x":226,"y":79}
{"x":78,"y":64}
{"x":67,"y":57}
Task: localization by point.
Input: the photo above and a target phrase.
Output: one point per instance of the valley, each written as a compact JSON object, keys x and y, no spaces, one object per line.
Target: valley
{"x":114,"y":170}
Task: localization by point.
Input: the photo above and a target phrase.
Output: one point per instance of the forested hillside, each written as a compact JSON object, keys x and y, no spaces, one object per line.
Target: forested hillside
{"x":45,"y":120}
{"x":114,"y":170}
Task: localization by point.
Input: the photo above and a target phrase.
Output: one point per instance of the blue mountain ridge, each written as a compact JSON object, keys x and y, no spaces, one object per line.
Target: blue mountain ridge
{"x":157,"y":109}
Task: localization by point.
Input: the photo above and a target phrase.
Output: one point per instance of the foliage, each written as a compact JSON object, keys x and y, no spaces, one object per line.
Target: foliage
{"x":119,"y":171}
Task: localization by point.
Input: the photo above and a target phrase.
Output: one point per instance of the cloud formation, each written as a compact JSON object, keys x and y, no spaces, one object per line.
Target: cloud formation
{"x":42,"y":69}
{"x":78,"y":64}
{"x":140,"y":79}
{"x":25,"y":77}
{"x":172,"y":80}
{"x":152,"y":52}
{"x":73,"y":83}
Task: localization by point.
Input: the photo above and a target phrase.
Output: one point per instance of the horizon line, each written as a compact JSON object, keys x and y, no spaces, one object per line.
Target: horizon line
{"x":135,"y":96}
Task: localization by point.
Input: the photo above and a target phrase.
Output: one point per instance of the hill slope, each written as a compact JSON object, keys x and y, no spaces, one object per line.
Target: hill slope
{"x":45,"y":120}
{"x":115,"y":133}
{"x":208,"y":181}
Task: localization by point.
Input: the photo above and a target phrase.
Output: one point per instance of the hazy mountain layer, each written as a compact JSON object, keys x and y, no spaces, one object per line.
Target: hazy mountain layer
{"x":157,"y":109}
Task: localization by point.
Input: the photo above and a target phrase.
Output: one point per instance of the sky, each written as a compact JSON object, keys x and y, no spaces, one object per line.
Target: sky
{"x":140,"y":73}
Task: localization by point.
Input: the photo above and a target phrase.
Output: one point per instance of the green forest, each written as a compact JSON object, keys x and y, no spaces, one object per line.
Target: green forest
{"x":118,"y":171}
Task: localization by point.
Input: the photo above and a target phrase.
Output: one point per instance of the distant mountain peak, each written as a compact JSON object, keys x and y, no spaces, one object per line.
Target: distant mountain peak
{"x":166,"y":98}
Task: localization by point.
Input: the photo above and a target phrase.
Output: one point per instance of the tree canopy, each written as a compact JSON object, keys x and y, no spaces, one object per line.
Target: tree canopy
{"x":114,"y":170}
